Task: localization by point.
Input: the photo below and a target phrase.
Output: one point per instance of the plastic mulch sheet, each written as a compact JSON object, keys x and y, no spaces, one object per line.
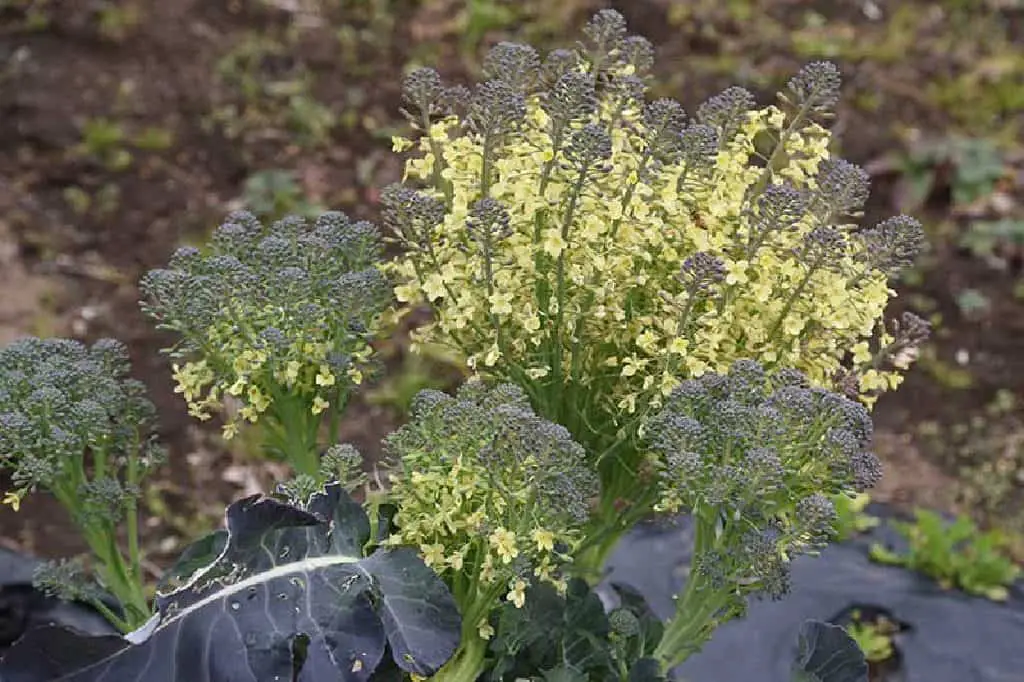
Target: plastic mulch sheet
{"x":946,"y":636}
{"x":23,"y":608}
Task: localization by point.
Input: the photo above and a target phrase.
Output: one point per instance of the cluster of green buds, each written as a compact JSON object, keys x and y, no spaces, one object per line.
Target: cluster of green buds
{"x":76,"y":425}
{"x":276,"y":318}
{"x":753,"y":458}
{"x":493,"y":495}
{"x":597,"y":248}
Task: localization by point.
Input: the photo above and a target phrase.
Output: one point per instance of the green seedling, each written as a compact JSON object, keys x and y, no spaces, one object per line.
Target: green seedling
{"x":104,"y":141}
{"x":851,"y":519}
{"x":873,"y":637}
{"x":974,"y":166}
{"x":956,"y":555}
{"x":273,"y":194}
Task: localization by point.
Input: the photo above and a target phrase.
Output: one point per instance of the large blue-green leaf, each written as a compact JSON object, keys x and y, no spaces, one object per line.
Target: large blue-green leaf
{"x":290,"y":597}
{"x":826,"y":653}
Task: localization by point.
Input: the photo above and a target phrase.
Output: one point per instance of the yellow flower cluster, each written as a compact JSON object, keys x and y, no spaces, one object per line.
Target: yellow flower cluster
{"x":629,"y":322}
{"x":486,"y":511}
{"x":256,"y":378}
{"x":450,"y":516}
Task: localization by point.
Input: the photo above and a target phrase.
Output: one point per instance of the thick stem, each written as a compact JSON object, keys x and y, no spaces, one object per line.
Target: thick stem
{"x":468,"y":662}
{"x":693,"y":621}
{"x":292,"y":433}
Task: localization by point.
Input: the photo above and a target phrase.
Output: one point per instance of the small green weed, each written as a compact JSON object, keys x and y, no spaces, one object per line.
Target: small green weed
{"x":104,"y":141}
{"x":117,"y":20}
{"x":955,"y":555}
{"x":273,"y":194}
{"x":971,"y":166}
{"x":29,"y":15}
{"x":944,"y":372}
{"x":994,"y":240}
{"x":102,"y":203}
{"x":851,"y":519}
{"x":874,"y":637}
{"x":264,"y":93}
{"x":973,"y":304}
{"x":154,"y":139}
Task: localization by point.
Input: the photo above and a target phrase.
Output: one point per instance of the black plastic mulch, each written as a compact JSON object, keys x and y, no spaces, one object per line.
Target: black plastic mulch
{"x":947,"y":636}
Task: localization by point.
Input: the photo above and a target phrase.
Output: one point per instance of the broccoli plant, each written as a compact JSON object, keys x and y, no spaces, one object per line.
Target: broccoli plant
{"x":77,"y":426}
{"x":753,"y":458}
{"x":667,"y":314}
{"x":275,"y":319}
{"x":597,"y":248}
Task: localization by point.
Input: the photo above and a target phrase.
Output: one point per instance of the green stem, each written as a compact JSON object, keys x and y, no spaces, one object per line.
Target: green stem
{"x":694,"y":620}
{"x":793,"y":298}
{"x":592,"y":555}
{"x":132,"y":514}
{"x":468,"y":662}
{"x":438,"y":166}
{"x":122,"y":583}
{"x":560,"y":279}
{"x":291,"y":430}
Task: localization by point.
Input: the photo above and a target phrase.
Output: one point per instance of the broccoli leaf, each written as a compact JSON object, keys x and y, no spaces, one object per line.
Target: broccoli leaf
{"x":290,"y":597}
{"x":826,"y":653}
{"x":196,"y":556}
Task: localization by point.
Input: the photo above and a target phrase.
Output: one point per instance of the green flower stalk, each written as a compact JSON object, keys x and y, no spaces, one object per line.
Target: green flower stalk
{"x":629,"y":246}
{"x":276,"y":319}
{"x":754,"y":458}
{"x":493,"y":496}
{"x":75,"y":425}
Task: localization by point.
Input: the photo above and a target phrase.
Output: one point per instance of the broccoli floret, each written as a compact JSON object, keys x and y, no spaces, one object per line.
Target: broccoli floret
{"x":760,"y":452}
{"x":272,"y":313}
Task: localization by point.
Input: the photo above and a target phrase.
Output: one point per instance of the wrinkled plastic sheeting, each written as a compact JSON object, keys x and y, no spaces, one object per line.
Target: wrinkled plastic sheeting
{"x":22,"y":607}
{"x":950,"y":636}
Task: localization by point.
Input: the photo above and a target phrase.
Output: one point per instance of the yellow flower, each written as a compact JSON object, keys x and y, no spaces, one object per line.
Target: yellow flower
{"x":485,"y":630}
{"x":501,"y":303}
{"x":538,"y":372}
{"x":400,"y":144}
{"x":406,"y":293}
{"x":319,"y":405}
{"x":291,"y":372}
{"x":230,"y":430}
{"x":504,"y":541}
{"x":517,"y":593}
{"x":553,"y":243}
{"x":237,"y":388}
{"x":545,"y":539}
{"x":324,"y":377}
{"x":12,"y":498}
{"x":434,"y":287}
{"x":433,"y":555}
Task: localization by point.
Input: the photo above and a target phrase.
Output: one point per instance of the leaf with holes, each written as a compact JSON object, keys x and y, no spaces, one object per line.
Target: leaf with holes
{"x":826,"y":653}
{"x":290,"y":597}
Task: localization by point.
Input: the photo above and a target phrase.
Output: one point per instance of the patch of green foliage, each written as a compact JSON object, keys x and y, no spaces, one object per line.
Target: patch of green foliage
{"x":956,"y":555}
{"x":262,"y":90}
{"x":992,"y":240}
{"x":971,"y":166}
{"x":851,"y":519}
{"x":874,"y":637}
{"x":275,"y":193}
